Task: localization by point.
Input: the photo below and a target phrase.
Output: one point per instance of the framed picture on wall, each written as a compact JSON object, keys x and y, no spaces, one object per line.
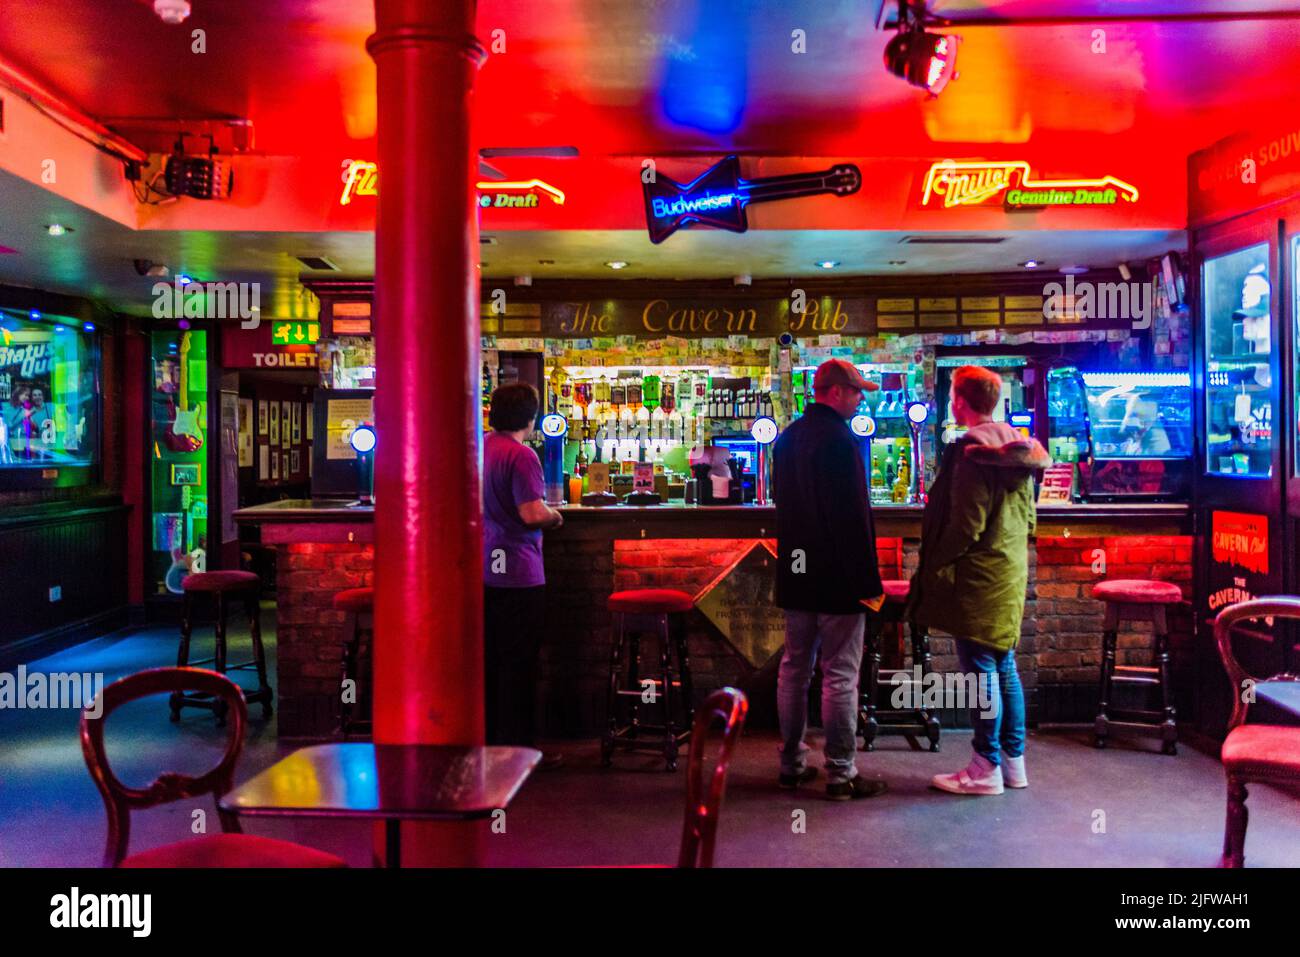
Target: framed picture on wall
{"x":297,"y":423}
{"x":187,"y":473}
{"x":285,"y":437}
{"x":275,"y":467}
{"x":284,"y":465}
{"x":275,"y":424}
{"x":295,"y":462}
{"x":261,"y":417}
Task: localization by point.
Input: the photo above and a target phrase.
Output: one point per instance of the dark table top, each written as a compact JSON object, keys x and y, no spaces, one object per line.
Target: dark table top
{"x":361,"y":780}
{"x":1283,"y":694}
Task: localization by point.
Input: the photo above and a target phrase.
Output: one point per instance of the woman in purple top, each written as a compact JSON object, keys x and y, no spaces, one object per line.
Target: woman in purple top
{"x":514,"y":592}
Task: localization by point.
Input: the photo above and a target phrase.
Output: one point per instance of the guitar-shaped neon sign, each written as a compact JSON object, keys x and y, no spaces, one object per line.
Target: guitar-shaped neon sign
{"x":185,"y":434}
{"x":718,"y":196}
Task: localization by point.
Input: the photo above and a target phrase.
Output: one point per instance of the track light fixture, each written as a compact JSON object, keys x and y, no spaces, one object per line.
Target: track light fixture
{"x":924,"y":59}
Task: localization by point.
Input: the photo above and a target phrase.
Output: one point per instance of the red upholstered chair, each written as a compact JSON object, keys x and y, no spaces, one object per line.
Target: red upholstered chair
{"x":1136,"y":599}
{"x":660,"y":611}
{"x":1268,"y":754}
{"x":223,"y":586}
{"x":358,"y":607}
{"x":704,"y":791}
{"x":872,"y":719}
{"x":228,"y":849}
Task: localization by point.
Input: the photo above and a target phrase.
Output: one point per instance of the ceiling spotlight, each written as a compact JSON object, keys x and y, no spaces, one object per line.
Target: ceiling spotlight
{"x":182,"y":279}
{"x":927,"y":60}
{"x":1029,"y":264}
{"x":617,"y":264}
{"x":171,"y":11}
{"x":58,"y":229}
{"x":828,"y":264}
{"x":1124,"y":272}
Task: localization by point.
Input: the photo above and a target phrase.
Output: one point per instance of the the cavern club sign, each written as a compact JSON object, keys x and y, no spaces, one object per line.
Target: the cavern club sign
{"x":361,"y":178}
{"x":950,"y":183}
{"x":717,"y":197}
{"x":1240,"y":539}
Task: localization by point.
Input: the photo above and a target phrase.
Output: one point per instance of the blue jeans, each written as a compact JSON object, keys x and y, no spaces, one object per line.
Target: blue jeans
{"x":839,"y":638}
{"x":1002,"y":725}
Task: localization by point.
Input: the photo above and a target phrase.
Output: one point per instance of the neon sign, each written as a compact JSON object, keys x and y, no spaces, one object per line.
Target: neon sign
{"x":976,"y":183}
{"x":361,"y":178}
{"x":718,"y":196}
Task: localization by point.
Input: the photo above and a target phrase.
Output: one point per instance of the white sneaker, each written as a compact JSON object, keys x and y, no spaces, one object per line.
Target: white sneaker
{"x":978,"y":777}
{"x":1013,"y":771}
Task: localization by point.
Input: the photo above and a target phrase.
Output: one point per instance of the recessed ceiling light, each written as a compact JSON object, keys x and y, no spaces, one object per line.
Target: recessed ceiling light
{"x":1029,"y":264}
{"x":58,"y":229}
{"x":828,"y":264}
{"x":182,"y":279}
{"x":546,"y":262}
{"x":617,"y":264}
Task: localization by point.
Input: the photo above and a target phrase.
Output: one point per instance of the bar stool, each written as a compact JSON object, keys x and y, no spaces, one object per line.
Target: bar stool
{"x":358,"y":605}
{"x":222,"y":586}
{"x":1136,"y":599}
{"x":906,"y":721}
{"x":650,"y":610}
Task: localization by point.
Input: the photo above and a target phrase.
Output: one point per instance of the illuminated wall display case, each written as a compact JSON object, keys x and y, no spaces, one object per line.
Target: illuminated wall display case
{"x":49,"y":401}
{"x":180,"y":456}
{"x":1240,"y":394}
{"x":1130,"y":433}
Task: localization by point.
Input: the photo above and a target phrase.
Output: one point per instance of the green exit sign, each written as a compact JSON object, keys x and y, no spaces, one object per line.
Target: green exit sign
{"x":294,"y":333}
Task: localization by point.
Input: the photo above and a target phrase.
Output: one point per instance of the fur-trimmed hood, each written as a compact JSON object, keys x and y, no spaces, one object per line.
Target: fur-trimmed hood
{"x":999,"y":445}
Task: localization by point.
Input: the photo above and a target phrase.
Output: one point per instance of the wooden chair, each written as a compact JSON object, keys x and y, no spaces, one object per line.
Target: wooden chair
{"x":228,"y":849}
{"x":1256,"y":753}
{"x":704,"y":794}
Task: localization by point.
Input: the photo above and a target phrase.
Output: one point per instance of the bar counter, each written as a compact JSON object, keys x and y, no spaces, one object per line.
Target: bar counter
{"x":722,"y":556}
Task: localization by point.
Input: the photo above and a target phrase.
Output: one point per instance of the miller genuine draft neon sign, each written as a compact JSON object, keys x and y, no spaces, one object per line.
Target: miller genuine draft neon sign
{"x":361,"y":178}
{"x":950,"y":184}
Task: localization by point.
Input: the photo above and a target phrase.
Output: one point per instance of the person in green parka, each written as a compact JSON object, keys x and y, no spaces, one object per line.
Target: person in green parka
{"x":974,"y":571}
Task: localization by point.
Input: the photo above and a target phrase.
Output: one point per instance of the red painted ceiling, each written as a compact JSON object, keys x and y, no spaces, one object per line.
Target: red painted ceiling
{"x":672,"y":76}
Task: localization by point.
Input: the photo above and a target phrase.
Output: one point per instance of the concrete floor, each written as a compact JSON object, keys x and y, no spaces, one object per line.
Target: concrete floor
{"x":1127,"y":806}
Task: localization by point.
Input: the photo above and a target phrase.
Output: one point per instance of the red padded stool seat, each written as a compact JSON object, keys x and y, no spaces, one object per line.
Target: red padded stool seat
{"x":1136,"y":599}
{"x":1137,"y":591}
{"x":896,"y":589}
{"x":1263,"y":750}
{"x":220,"y":581}
{"x":355,"y":599}
{"x":233,"y":850}
{"x":224,"y":587}
{"x":661,"y":612}
{"x":650,"y":601}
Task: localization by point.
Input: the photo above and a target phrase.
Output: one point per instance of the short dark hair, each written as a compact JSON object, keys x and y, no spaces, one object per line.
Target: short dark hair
{"x":514,"y":407}
{"x":980,"y":387}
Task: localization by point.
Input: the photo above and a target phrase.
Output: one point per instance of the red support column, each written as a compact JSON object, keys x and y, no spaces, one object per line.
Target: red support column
{"x":428,"y":654}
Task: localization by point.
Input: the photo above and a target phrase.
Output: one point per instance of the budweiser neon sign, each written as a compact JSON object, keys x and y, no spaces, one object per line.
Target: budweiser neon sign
{"x":361,"y":178}
{"x":950,"y":184}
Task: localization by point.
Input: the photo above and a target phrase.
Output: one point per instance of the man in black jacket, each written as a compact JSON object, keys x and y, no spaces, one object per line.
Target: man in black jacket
{"x":826,"y":569}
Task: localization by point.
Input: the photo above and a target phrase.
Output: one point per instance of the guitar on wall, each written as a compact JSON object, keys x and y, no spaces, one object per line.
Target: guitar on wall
{"x":718,"y":196}
{"x":185,"y":434}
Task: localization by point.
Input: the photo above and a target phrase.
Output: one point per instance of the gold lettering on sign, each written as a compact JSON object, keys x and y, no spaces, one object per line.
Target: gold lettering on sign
{"x":584,"y":320}
{"x":660,"y":316}
{"x":814,"y":319}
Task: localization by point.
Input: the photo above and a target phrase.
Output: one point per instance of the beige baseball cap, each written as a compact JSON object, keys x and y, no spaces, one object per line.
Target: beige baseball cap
{"x":841,"y":372}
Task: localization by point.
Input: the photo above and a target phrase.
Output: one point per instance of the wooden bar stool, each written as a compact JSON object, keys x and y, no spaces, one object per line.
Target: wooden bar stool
{"x":358,"y":605}
{"x":905,"y":721}
{"x":650,"y":610}
{"x":223,"y":586}
{"x":1136,"y":599}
